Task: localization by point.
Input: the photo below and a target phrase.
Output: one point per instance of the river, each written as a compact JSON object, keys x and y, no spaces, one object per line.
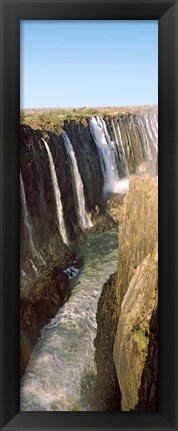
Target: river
{"x":61,"y":372}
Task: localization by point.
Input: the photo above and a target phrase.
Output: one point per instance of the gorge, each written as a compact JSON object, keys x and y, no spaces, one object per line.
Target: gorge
{"x":73,"y":179}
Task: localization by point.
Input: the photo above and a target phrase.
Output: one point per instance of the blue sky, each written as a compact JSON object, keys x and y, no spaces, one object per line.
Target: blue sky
{"x":88,"y":63}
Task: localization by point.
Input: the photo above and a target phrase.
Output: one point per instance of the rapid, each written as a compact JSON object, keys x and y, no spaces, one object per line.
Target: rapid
{"x":61,"y":372}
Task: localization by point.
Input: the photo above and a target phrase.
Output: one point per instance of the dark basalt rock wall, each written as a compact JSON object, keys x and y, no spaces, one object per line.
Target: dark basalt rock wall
{"x":44,"y":286}
{"x":38,"y":184}
{"x":88,"y":162}
{"x":107,"y":394}
{"x":48,"y":253}
{"x":134,"y":138}
{"x":148,"y":391}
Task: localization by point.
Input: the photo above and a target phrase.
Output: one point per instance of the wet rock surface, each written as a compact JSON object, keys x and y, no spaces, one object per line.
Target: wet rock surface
{"x":102,"y":222}
{"x":88,"y":162}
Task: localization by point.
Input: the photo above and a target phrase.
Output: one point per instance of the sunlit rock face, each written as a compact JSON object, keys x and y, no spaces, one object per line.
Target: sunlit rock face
{"x":136,"y":289}
{"x":88,"y":160}
{"x":132,"y":330}
{"x":66,"y":179}
{"x":131,"y":346}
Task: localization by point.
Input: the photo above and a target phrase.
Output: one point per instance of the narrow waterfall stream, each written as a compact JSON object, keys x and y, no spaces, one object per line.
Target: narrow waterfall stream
{"x":26,"y":216}
{"x":61,"y":372}
{"x":106,"y":153}
{"x":36,"y":254}
{"x":57,"y":194}
{"x":84,"y":217}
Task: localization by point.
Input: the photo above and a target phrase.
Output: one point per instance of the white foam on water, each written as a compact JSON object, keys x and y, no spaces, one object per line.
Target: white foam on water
{"x":121,"y":186}
{"x":71,"y":271}
{"x":61,"y":370}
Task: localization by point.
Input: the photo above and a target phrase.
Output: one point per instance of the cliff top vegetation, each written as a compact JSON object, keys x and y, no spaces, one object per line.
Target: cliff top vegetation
{"x":52,"y":119}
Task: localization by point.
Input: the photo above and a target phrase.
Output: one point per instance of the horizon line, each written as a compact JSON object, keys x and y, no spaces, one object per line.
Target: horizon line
{"x":89,"y":107}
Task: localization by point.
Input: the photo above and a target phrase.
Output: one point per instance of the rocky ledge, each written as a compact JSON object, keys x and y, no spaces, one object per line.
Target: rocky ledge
{"x":126,"y":341}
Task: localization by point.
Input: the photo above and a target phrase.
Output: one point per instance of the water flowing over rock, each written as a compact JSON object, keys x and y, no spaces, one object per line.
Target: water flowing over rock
{"x":64,"y":178}
{"x":26,"y":216}
{"x":57,"y":194}
{"x":88,"y":162}
{"x":84,"y":218}
{"x":131,"y":333}
{"x":135,"y":138}
{"x":37,"y":306}
{"x":106,"y":153}
{"x":86,"y":159}
{"x":35,"y":254}
{"x":61,"y":372}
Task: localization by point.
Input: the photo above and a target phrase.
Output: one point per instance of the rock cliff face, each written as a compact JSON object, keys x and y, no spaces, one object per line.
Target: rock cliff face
{"x":131,"y":337}
{"x":107,"y":392}
{"x":43,"y":252}
{"x":130,"y":138}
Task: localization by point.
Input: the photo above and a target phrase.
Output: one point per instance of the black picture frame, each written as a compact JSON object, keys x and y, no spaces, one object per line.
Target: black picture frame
{"x":167,"y":14}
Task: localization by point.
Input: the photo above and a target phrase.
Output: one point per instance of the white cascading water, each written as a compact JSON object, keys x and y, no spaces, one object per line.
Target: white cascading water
{"x":152,"y":128}
{"x":133,"y":124}
{"x":25,"y":215}
{"x":106,"y":153}
{"x":57,"y":195}
{"x":146,"y":140}
{"x":154,"y":121}
{"x":122,"y":145}
{"x":84,"y":217}
{"x":35,"y":253}
{"x":147,"y":124}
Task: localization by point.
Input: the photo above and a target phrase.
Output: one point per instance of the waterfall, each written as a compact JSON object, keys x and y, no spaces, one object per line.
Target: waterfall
{"x":146,"y":139}
{"x":57,"y":195}
{"x":35,"y":253}
{"x":106,"y":154}
{"x":25,"y":215}
{"x":120,"y":141}
{"x":137,"y":135}
{"x":152,"y":128}
{"x":84,"y":217}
